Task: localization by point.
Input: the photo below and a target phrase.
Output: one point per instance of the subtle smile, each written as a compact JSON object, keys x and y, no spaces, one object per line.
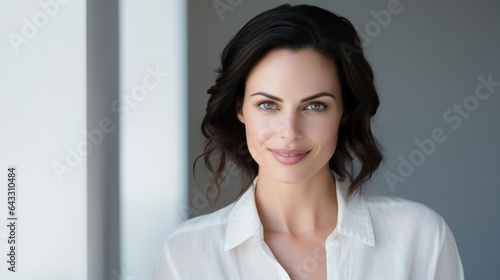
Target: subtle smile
{"x":289,"y":157}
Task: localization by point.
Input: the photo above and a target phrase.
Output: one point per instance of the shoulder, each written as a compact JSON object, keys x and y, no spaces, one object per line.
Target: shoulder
{"x":187,"y":245}
{"x":417,"y":233}
{"x":404,"y":216}
{"x":400,"y":208}
{"x":195,"y":233}
{"x":214,"y":221}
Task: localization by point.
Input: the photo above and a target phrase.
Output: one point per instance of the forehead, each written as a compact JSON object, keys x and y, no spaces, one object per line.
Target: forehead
{"x":303,"y":71}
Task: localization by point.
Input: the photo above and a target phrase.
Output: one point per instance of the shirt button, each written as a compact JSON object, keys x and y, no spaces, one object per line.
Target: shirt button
{"x":335,"y":236}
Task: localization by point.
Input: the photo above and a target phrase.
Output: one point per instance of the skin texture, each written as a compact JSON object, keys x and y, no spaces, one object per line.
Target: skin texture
{"x":297,"y":203}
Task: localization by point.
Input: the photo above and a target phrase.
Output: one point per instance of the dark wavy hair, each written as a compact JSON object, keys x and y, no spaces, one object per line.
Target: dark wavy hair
{"x":295,"y":28}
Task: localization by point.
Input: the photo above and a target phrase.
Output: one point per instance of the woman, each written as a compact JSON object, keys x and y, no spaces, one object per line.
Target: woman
{"x":292,"y":107}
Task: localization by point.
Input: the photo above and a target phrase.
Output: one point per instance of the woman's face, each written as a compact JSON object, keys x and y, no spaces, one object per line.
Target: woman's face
{"x":291,"y":110}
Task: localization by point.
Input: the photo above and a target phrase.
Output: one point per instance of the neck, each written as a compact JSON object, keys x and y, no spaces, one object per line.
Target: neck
{"x":297,"y":209}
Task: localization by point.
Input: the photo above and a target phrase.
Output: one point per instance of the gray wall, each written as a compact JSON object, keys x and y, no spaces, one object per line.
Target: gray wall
{"x":103,"y":164}
{"x":427,"y":58}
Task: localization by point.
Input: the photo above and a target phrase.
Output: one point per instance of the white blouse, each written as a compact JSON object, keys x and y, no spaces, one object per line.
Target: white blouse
{"x":376,"y":237}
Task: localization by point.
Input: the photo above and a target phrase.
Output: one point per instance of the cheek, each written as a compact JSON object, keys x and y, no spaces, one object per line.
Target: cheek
{"x":324,"y":133}
{"x":260,"y":128}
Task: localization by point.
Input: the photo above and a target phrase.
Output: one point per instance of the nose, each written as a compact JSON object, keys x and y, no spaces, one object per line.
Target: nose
{"x":291,"y":127}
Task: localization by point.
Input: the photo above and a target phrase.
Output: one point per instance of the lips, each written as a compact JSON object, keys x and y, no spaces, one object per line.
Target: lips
{"x":289,"y":156}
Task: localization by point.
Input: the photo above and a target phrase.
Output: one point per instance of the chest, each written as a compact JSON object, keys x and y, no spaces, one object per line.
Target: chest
{"x":301,"y":258}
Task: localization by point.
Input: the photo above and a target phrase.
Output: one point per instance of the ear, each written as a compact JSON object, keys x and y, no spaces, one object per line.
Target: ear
{"x":239,"y":112}
{"x":240,"y":116}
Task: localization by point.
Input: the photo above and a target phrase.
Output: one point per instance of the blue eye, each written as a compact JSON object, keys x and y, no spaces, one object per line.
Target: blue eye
{"x":316,"y":106}
{"x":267,"y":106}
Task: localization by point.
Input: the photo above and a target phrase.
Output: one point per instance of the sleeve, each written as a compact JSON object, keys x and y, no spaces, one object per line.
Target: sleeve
{"x":448,"y":263}
{"x":164,"y":268}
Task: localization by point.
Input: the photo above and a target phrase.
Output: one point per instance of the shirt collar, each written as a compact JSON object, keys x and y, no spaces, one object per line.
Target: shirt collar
{"x":353,"y":220}
{"x":243,"y":221}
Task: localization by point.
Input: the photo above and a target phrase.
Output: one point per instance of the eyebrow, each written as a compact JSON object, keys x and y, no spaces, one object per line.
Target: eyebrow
{"x":314,"y":96}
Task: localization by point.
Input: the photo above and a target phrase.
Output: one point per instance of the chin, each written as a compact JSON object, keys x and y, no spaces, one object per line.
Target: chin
{"x":291,"y":176}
